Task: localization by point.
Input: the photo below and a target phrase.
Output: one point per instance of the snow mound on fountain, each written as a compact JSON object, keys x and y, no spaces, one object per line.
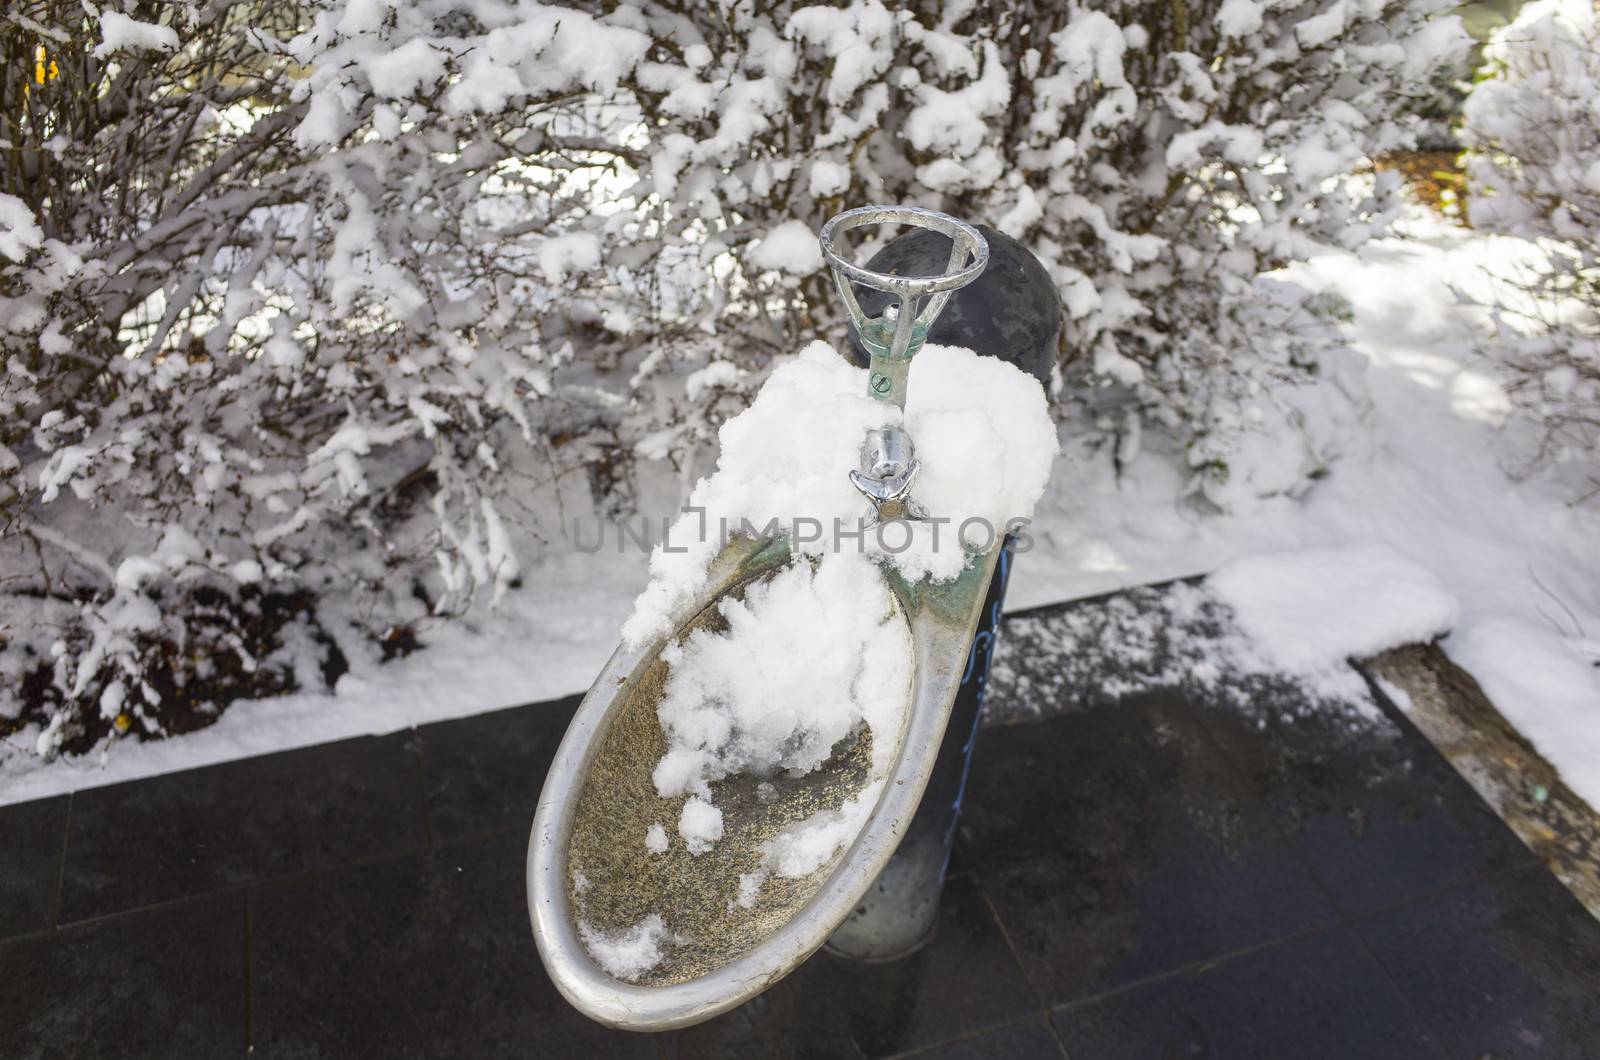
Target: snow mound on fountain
{"x":981,"y":428}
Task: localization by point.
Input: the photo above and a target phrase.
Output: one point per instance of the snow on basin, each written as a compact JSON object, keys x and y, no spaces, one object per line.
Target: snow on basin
{"x":808,"y":655}
{"x":764,"y":729}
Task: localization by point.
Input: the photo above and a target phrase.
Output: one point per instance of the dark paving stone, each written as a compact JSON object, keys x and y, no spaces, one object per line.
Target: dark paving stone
{"x":31,"y":834}
{"x":1505,"y":967}
{"x":1320,"y":995}
{"x":1118,"y":843}
{"x":162,"y":983}
{"x":1378,"y":813}
{"x":187,"y":833}
{"x":488,"y":770}
{"x":420,"y":955}
{"x":1032,"y":1040}
{"x":963,"y":981}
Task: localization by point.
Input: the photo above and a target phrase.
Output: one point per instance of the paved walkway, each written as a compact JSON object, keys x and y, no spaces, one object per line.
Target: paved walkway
{"x":1164,"y":876}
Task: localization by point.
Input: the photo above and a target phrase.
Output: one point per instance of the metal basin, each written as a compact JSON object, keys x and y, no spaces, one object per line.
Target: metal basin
{"x":589,"y":869}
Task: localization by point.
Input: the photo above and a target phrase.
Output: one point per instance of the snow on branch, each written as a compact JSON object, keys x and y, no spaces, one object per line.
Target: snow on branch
{"x":312,"y":293}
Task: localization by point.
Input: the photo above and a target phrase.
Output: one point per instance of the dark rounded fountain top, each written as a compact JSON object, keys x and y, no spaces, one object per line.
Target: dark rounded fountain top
{"x":1011,"y":311}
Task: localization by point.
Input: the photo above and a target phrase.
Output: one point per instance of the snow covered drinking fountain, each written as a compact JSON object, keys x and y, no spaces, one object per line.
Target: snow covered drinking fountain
{"x":773,"y":758}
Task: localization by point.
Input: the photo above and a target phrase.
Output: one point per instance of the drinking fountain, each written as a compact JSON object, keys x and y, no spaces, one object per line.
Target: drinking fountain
{"x":591,"y":874}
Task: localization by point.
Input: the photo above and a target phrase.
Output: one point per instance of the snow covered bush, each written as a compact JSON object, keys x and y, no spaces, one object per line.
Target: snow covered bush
{"x":1532,"y":130}
{"x":317,"y":296}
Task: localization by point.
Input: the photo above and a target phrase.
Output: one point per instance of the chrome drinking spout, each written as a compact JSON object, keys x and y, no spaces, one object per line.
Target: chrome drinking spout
{"x":888,"y":468}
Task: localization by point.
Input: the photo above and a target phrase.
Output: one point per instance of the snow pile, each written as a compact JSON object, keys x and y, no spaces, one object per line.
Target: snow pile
{"x":981,"y":428}
{"x":791,"y":247}
{"x":655,"y":839}
{"x":631,"y":953}
{"x":700,"y":825}
{"x":809,"y":657}
{"x":803,"y":848}
{"x":19,"y":229}
{"x":817,"y":651}
{"x":986,"y":441}
{"x":1531,"y":126}
{"x":787,"y":455}
{"x":121,"y":33}
{"x":1546,"y":685}
{"x":414,"y":65}
{"x":1309,"y":611}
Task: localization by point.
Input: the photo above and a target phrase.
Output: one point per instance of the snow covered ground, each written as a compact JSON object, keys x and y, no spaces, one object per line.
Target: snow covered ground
{"x":1435,"y":479}
{"x":1420,"y":526}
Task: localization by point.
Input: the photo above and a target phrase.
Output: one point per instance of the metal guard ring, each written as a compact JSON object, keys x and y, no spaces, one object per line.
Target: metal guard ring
{"x":966,"y":239}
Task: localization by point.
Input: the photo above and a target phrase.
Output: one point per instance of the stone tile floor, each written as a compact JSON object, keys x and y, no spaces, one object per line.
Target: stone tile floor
{"x":1162,"y":875}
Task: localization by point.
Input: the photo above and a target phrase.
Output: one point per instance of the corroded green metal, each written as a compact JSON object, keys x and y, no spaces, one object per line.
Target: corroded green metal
{"x":889,"y":373}
{"x":893,"y":339}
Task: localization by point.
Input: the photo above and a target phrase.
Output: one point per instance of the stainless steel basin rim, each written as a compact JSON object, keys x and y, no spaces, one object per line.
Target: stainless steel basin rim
{"x":941,"y":619}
